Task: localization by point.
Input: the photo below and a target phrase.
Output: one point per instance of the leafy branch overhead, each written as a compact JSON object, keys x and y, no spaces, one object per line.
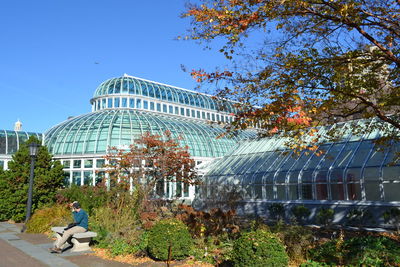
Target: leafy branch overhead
{"x":301,"y":63}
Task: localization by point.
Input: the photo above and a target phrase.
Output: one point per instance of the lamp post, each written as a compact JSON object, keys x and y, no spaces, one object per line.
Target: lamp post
{"x":33,"y":150}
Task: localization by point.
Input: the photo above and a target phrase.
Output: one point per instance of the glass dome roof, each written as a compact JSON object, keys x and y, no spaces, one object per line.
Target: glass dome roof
{"x":94,"y":132}
{"x":129,"y":85}
{"x":11,"y":140}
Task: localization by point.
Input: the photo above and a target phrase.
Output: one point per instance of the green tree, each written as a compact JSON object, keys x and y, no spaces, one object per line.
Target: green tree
{"x":14,"y":182}
{"x":305,"y":62}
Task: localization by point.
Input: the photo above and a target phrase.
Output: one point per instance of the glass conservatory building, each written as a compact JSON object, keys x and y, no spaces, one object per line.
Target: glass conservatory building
{"x":126,"y":107}
{"x":352,"y":172}
{"x":10,"y":142}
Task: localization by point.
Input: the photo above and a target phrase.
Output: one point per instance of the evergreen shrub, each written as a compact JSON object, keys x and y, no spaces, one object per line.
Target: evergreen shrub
{"x":14,"y":182}
{"x":259,"y":248}
{"x":169,"y":233}
{"x":325,"y":216}
{"x":43,"y":219}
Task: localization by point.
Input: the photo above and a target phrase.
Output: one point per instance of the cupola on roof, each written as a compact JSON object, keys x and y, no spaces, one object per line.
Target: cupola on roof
{"x":129,"y":85}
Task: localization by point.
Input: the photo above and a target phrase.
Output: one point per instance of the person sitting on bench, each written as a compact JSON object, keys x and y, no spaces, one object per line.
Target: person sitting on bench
{"x":80,"y":225}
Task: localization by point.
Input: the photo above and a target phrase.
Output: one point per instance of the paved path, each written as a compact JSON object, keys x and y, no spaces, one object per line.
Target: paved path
{"x":21,"y":249}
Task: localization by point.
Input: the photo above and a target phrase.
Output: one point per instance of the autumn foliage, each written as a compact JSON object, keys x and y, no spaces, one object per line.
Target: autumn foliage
{"x":301,"y":63}
{"x":150,"y":159}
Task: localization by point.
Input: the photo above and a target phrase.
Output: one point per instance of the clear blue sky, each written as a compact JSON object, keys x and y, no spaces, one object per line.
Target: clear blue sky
{"x":49,"y":50}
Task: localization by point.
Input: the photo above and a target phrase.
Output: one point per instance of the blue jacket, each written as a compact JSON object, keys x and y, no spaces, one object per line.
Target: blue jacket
{"x":81,"y":218}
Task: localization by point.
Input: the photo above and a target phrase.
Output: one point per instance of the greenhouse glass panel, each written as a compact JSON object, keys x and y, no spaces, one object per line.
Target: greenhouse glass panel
{"x":354,"y":191}
{"x":281,"y":192}
{"x":116,"y":102}
{"x":293,"y":192}
{"x":391,"y":173}
{"x":66,"y":179}
{"x":321,"y":176}
{"x":258,"y":191}
{"x":117,"y":87}
{"x":109,"y":102}
{"x":315,"y":159}
{"x":88,"y":163}
{"x":77,"y":163}
{"x":99,"y":176}
{"x":76,"y":178}
{"x":280,"y":177}
{"x":158,"y":107}
{"x":125,"y":86}
{"x":391,"y":191}
{"x":103,"y":103}
{"x":124,"y":102}
{"x":165,"y":108}
{"x":66,"y":164}
{"x":337,"y":191}
{"x":138,"y":103}
{"x":376,"y":158}
{"x":145,"y":91}
{"x":392,"y":154}
{"x":372,"y":190}
{"x":337,"y":175}
{"x":294,"y":177}
{"x":361,"y":154}
{"x":371,"y":174}
{"x":346,"y":154}
{"x":178,"y":192}
{"x":322,"y":191}
{"x":145,"y":104}
{"x":306,"y":176}
{"x":100,"y":163}
{"x":131,"y":87}
{"x":158,"y":90}
{"x":12,"y":142}
{"x":306,"y":191}
{"x":269,"y":191}
{"x":3,"y":142}
{"x":88,"y":178}
{"x":353,"y":175}
{"x":151,"y":90}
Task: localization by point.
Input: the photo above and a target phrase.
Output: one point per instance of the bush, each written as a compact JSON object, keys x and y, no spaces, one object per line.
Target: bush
{"x":169,"y":234}
{"x":277,"y":211}
{"x":300,"y":213}
{"x":297,"y":240}
{"x":212,"y":223}
{"x":359,"y":251}
{"x":311,"y":263}
{"x":214,"y":250}
{"x":392,"y":216}
{"x":325,"y":216}
{"x":90,"y":197}
{"x":359,"y":217}
{"x":42,"y":220}
{"x":259,"y":248}
{"x":124,"y":247}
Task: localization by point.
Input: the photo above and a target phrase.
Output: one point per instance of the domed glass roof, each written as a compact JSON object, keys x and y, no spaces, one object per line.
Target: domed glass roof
{"x":128,"y":85}
{"x":94,"y":132}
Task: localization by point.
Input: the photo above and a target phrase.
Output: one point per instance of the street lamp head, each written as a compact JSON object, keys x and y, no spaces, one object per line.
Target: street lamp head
{"x":33,"y":149}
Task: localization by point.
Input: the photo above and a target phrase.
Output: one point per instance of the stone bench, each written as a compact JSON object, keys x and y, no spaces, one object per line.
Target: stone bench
{"x":79,"y":241}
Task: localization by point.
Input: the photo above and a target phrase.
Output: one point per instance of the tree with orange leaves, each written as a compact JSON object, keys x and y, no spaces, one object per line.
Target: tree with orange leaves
{"x":303,"y":63}
{"x":150,"y":160}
